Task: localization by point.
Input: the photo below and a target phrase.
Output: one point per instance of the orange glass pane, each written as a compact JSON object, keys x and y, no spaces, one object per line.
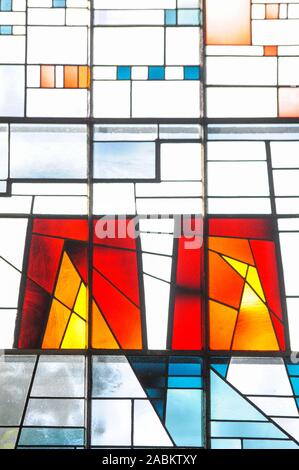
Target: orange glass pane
{"x":57,"y":322}
{"x":225,"y":285}
{"x":272,"y":11}
{"x":233,"y":247}
{"x":228,"y":22}
{"x":47,"y":76}
{"x":84,"y":76}
{"x":68,"y":282}
{"x":70,"y":76}
{"x":254,"y":330}
{"x":270,"y":51}
{"x":222,"y":324}
{"x":288,"y":102}
{"x":102,"y":337}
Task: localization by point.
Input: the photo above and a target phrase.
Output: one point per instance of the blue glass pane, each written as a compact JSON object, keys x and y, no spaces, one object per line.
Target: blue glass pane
{"x":6,"y":5}
{"x":226,"y":403}
{"x":243,"y":429}
{"x":226,"y":444}
{"x":156,"y":73}
{"x":191,"y":73}
{"x":295,"y":384}
{"x":293,"y":369}
{"x":185,"y":382}
{"x":124,"y":160}
{"x":221,"y":369}
{"x":184,"y":369}
{"x":51,"y":436}
{"x":6,"y":30}
{"x":189,"y":17}
{"x":184,"y":417}
{"x":59,"y":3}
{"x":170,"y":17}
{"x":264,"y":444}
{"x":123,"y":73}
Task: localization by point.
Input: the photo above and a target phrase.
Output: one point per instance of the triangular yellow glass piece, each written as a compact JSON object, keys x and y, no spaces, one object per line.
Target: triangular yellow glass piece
{"x":254,"y":281}
{"x":76,"y":334}
{"x":102,"y":336}
{"x":68,"y":282}
{"x":81,"y":302}
{"x":254,"y":329}
{"x":240,"y":267}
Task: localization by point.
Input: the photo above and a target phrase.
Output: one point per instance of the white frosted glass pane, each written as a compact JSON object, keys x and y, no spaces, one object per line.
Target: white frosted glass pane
{"x":148,"y":429}
{"x":111,"y":422}
{"x":289,"y":243}
{"x":285,"y":154}
{"x":54,"y":412}
{"x":236,"y":151}
{"x":181,"y":162}
{"x":239,"y":206}
{"x":293,"y":320}
{"x":241,"y":71}
{"x":286,"y":182}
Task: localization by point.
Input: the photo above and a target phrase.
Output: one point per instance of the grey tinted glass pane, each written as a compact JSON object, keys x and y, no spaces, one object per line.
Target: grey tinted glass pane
{"x":113,"y":377}
{"x":111,"y":422}
{"x":59,"y":376}
{"x":54,"y":412}
{"x":47,"y":151}
{"x":15,"y":376}
{"x":124,"y":160}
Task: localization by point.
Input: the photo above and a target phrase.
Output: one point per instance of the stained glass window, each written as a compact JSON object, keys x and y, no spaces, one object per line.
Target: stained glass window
{"x":149,"y":224}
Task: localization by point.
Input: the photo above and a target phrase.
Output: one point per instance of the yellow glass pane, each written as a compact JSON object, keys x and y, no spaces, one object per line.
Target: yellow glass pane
{"x":102,"y":336}
{"x":58,"y":318}
{"x":254,"y":329}
{"x":254,"y":281}
{"x":76,"y":334}
{"x":241,"y":268}
{"x":68,"y":282}
{"x":81,"y":302}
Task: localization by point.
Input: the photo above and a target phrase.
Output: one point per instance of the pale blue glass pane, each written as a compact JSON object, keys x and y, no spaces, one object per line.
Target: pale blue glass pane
{"x":189,"y":17}
{"x":226,"y":403}
{"x":15,"y":376}
{"x":245,"y":429}
{"x":6,"y":5}
{"x":226,"y":444}
{"x":124,"y":160}
{"x":59,"y":3}
{"x":293,"y":369}
{"x":111,"y":422}
{"x":55,"y":412}
{"x":59,"y":376}
{"x":51,"y":437}
{"x":6,"y":30}
{"x":264,"y":444}
{"x":184,"y":417}
{"x":48,"y":151}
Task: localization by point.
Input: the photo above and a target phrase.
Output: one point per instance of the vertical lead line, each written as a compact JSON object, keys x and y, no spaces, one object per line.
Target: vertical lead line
{"x":88,"y":388}
{"x":205,"y":319}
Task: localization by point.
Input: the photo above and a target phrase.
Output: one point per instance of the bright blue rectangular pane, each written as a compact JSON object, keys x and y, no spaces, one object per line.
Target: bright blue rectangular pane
{"x":184,"y":417}
{"x":245,"y":429}
{"x":123,"y":73}
{"x":6,"y":5}
{"x":170,"y":17}
{"x":293,"y":369}
{"x":51,"y":437}
{"x":192,"y":73}
{"x":184,"y":382}
{"x":6,"y":30}
{"x":124,"y":160}
{"x":264,"y":444}
{"x":184,"y":369}
{"x":59,"y":3}
{"x":189,"y":17}
{"x":295,"y":384}
{"x":156,"y":73}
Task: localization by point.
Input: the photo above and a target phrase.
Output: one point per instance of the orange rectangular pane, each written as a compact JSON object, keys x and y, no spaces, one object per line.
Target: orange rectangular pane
{"x":47,"y":76}
{"x":270,"y":51}
{"x":228,"y":22}
{"x":71,"y":76}
{"x":288,"y":102}
{"x":272,"y":11}
{"x":84,"y":76}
